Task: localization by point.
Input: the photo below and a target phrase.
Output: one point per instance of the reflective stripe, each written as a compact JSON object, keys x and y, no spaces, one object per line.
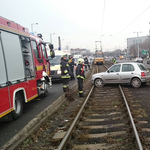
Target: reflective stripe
{"x":67,"y":65}
{"x":80,"y":91}
{"x":65,"y":71}
{"x":65,"y":86}
{"x":60,"y":65}
{"x":65,"y":77}
{"x":80,"y":77}
{"x":39,"y":68}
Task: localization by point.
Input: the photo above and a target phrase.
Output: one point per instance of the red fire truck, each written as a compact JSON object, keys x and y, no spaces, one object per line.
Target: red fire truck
{"x":25,"y":68}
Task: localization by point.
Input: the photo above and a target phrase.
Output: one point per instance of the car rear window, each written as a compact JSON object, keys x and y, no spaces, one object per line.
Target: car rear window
{"x":142,"y":67}
{"x":127,"y":67}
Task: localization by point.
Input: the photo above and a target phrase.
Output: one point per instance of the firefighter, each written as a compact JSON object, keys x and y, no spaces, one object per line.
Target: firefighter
{"x":86,"y":63}
{"x":52,"y":53}
{"x":114,"y":60}
{"x":80,"y":76}
{"x":65,"y":73}
{"x":71,"y":65}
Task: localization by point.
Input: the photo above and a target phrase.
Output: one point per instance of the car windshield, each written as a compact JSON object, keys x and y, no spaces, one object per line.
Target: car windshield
{"x":142,"y":67}
{"x":55,"y":60}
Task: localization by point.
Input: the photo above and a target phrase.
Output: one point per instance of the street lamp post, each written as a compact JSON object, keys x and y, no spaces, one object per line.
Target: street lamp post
{"x":32,"y":26}
{"x":68,"y":45}
{"x":51,"y":37}
{"x":137,"y":41}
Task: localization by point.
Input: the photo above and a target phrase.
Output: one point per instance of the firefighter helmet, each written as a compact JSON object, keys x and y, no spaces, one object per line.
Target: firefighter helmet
{"x":80,"y":61}
{"x":65,"y":55}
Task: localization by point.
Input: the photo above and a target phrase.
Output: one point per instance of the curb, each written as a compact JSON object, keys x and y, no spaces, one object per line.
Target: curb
{"x":35,"y":122}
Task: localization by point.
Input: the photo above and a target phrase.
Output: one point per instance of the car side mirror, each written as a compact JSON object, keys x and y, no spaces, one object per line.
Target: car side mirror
{"x":107,"y":71}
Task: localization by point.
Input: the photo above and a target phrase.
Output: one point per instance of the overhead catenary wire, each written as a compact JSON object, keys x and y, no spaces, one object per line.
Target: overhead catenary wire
{"x":103,"y":18}
{"x":130,"y":23}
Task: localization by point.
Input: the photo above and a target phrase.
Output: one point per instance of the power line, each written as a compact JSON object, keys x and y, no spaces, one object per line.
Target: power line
{"x":103,"y":17}
{"x":130,"y":23}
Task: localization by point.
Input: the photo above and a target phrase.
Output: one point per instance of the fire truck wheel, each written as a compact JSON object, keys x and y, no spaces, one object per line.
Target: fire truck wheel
{"x":18,"y":107}
{"x":46,"y":92}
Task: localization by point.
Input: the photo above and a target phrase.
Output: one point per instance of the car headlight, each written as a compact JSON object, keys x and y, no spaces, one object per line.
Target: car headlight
{"x":59,"y":71}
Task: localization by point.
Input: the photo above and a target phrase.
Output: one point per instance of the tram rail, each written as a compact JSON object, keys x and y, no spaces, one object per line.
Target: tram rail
{"x":99,"y":121}
{"x":86,"y":123}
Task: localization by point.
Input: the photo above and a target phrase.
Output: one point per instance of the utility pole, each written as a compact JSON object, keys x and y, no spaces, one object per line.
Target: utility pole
{"x":137,"y":41}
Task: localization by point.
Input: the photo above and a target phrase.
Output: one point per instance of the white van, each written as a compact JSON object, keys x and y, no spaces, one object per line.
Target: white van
{"x":55,"y":65}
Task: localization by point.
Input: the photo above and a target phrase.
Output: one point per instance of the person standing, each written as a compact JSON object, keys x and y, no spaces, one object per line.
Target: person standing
{"x":86,"y":62}
{"x":114,"y":60}
{"x":80,"y":76}
{"x":65,"y":73}
{"x":71,"y":65}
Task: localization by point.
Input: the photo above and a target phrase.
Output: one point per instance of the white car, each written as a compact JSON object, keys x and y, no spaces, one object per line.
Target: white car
{"x":140,"y":60}
{"x":129,"y":72}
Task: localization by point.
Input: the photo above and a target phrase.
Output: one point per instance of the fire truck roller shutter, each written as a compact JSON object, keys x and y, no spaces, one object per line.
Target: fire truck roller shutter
{"x":13,"y":56}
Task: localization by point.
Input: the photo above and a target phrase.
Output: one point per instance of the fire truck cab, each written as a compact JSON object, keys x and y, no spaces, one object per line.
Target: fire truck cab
{"x":25,"y":68}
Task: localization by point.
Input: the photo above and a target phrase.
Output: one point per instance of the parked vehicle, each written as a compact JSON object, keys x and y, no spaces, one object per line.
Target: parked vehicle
{"x":129,"y":73}
{"x":55,"y":65}
{"x":140,"y":60}
{"x":24,"y":67}
{"x":121,"y":57}
{"x":148,"y":61}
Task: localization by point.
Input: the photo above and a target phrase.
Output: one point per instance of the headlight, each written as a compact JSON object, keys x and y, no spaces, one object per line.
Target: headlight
{"x":58,"y":71}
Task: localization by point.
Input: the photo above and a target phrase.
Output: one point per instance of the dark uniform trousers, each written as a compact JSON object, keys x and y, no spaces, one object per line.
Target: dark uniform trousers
{"x":80,"y":86}
{"x":65,"y":74}
{"x":65,"y":84}
{"x":85,"y":67}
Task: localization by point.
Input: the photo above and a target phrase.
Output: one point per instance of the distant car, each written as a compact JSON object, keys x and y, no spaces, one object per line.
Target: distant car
{"x":130,"y":73}
{"x":140,"y":60}
{"x":148,"y":61}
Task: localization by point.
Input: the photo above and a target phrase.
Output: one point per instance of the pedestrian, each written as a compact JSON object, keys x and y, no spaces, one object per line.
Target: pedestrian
{"x":65,"y":73}
{"x":86,"y":62}
{"x":80,"y":76}
{"x":71,"y":65}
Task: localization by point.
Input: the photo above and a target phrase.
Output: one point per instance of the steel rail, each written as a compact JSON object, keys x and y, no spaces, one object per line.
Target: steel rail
{"x":132,"y":122}
{"x":69,"y":132}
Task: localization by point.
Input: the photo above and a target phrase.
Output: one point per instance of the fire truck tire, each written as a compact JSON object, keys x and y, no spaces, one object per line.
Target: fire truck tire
{"x":46,"y":92}
{"x":18,"y":107}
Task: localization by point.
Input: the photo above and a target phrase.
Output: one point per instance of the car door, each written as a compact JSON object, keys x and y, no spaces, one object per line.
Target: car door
{"x":127,"y":72}
{"x":112,"y":75}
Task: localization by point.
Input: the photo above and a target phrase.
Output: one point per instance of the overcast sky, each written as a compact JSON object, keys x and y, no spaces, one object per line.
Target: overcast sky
{"x":80,"y":23}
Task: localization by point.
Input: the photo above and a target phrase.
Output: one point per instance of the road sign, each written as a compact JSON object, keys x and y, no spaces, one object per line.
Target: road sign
{"x":144,"y":52}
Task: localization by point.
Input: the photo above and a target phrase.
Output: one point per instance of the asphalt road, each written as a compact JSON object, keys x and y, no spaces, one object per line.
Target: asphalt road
{"x":31,"y":109}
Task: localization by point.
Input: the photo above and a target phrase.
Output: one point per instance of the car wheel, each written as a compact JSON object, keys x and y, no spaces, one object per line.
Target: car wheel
{"x":136,"y":82}
{"x":18,"y":107}
{"x":98,"y":83}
